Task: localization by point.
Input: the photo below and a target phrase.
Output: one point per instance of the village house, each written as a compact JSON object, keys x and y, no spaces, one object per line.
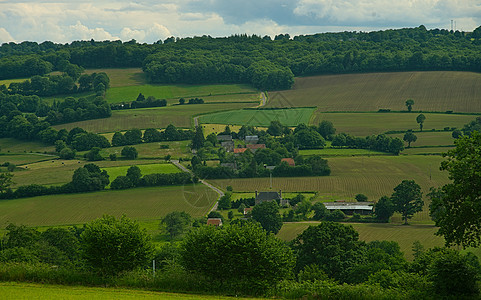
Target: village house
{"x":289,"y":161}
{"x":255,"y":147}
{"x":214,"y":222}
{"x":228,"y":146}
{"x":271,"y":196}
{"x":251,"y":139}
{"x":224,"y":138}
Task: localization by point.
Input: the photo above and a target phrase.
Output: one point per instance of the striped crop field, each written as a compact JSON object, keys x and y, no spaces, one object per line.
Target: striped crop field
{"x":259,"y":117}
{"x":114,"y":172}
{"x":431,"y":91}
{"x":138,"y":203}
{"x":340,"y":152}
{"x":178,"y":115}
{"x":373,"y":176}
{"x":362,"y":124}
{"x":430,"y":138}
{"x":178,"y":149}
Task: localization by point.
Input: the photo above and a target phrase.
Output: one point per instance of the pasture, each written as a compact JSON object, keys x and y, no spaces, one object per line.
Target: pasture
{"x":340,"y":152}
{"x":178,"y":149}
{"x":404,"y":235}
{"x":58,"y":171}
{"x":363,"y":124}
{"x":429,"y":138}
{"x":15,"y":290}
{"x":431,"y":91}
{"x":259,"y":117}
{"x":373,"y":176}
{"x":22,"y":159}
{"x":178,"y":115}
{"x":115,"y":172}
{"x":11,"y":145}
{"x":138,"y":203}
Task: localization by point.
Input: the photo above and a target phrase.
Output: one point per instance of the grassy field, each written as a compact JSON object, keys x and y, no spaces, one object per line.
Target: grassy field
{"x":373,"y":176}
{"x":259,"y":117}
{"x":10,"y":145}
{"x":236,"y":196}
{"x":14,"y":290}
{"x":340,"y":152}
{"x":430,"y":138}
{"x":57,"y":171}
{"x":179,"y":115}
{"x":115,"y":172}
{"x":431,"y":91}
{"x":427,"y":151}
{"x":152,"y":150}
{"x":404,"y":235}
{"x":22,"y":159}
{"x":7,"y":82}
{"x":362,"y":124}
{"x":139,"y":203}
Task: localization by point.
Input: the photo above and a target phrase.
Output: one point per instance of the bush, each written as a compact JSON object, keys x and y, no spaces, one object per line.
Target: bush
{"x":129,"y":152}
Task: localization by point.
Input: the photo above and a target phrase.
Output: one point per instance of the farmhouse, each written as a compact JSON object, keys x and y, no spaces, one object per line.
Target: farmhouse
{"x":271,"y":196}
{"x":349,"y":208}
{"x":255,"y":147}
{"x":289,"y":161}
{"x":214,"y":222}
{"x":224,"y":138}
{"x":239,"y":150}
{"x":228,"y":146}
{"x":251,"y":139}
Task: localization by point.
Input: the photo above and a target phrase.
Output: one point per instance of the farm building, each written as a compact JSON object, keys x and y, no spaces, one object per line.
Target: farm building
{"x":271,"y":196}
{"x":224,"y":138}
{"x":228,"y":146}
{"x":214,"y":222}
{"x":289,"y":161}
{"x":239,"y":150}
{"x":255,"y":147}
{"x":251,"y":139}
{"x":349,"y":208}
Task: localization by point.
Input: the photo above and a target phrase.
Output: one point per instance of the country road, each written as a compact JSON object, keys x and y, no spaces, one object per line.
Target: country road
{"x":218,"y":191}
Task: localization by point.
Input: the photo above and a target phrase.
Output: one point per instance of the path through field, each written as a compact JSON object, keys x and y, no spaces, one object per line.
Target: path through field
{"x":218,"y":191}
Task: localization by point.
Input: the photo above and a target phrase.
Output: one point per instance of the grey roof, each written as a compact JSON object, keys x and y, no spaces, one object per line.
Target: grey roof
{"x":349,"y":205}
{"x":251,"y":138}
{"x":267,"y":196}
{"x":224,"y":137}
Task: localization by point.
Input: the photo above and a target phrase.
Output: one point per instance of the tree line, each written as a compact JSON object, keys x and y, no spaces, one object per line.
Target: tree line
{"x":259,"y":61}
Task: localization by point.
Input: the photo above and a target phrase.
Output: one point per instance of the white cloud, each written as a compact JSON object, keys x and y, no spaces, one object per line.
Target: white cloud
{"x":82,"y":32}
{"x":5,"y":37}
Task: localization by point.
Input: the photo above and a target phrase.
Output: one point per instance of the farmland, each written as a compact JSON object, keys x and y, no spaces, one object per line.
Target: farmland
{"x":178,"y":115}
{"x":114,"y":172}
{"x":431,"y":91}
{"x":374,"y":176}
{"x":152,"y":150}
{"x":10,"y":145}
{"x":260,"y":117}
{"x":139,"y":203}
{"x":340,"y":152}
{"x":362,"y":124}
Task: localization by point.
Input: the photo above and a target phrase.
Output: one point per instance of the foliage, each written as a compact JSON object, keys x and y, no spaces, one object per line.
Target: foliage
{"x":5,"y":181}
{"x":420,"y":120}
{"x":267,"y":214}
{"x":455,"y":206}
{"x":177,"y":223}
{"x":225,"y":201}
{"x":409,"y":104}
{"x":111,"y":245}
{"x":360,"y":198}
{"x":384,"y":209}
{"x":407,"y":199}
{"x":129,"y":152}
{"x":409,"y":137}
{"x":380,"y":143}
{"x":334,"y":247}
{"x":93,"y":154}
{"x":243,"y":256}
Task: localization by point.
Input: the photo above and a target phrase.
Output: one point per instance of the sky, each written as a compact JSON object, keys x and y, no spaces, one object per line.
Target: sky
{"x":64,"y":21}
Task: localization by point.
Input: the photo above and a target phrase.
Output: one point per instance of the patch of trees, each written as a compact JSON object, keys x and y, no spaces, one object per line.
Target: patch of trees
{"x":134,"y":178}
{"x":191,"y":101}
{"x":140,"y":102}
{"x":380,"y":142}
{"x":88,"y":178}
{"x":134,"y":136}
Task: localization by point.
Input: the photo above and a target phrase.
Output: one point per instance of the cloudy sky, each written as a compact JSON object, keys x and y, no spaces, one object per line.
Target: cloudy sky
{"x":148,"y":20}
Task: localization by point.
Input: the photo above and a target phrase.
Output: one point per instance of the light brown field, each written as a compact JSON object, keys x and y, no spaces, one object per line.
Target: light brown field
{"x":431,"y":91}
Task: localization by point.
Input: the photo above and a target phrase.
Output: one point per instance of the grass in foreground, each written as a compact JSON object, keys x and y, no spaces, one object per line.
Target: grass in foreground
{"x":13,"y":290}
{"x":260,"y":117}
{"x":138,"y":203}
{"x":431,"y":91}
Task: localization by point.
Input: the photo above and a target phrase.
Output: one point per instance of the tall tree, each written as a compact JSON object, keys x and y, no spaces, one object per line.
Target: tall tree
{"x":410,"y":137}
{"x":177,"y":223}
{"x":198,"y":139}
{"x":407,"y":199}
{"x":267,"y":214}
{"x":456,"y":206}
{"x":384,"y":209}
{"x":420,"y":120}
{"x":409,"y":104}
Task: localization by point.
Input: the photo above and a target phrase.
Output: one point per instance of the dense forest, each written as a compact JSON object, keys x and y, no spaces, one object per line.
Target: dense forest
{"x":261,"y":61}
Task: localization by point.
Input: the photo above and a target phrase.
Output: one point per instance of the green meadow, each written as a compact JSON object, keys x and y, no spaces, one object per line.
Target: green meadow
{"x":115,"y":172}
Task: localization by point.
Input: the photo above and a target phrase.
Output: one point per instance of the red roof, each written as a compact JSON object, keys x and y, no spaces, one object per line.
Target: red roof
{"x":247,"y":210}
{"x":289,"y":161}
{"x":256,"y":146}
{"x":240,"y":150}
{"x":214,"y":221}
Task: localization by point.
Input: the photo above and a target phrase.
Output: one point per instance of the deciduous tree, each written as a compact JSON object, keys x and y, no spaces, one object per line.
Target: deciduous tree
{"x":407,"y":199}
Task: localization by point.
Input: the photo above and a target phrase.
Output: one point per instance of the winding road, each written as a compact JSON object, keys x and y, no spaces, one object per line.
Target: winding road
{"x":218,"y":191}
